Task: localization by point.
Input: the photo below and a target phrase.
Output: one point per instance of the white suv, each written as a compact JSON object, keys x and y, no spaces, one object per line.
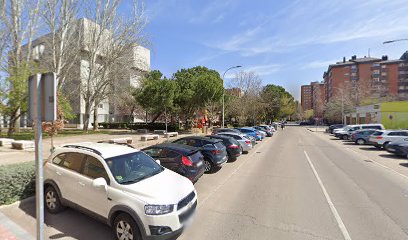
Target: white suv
{"x":381,"y":138}
{"x":121,"y":186}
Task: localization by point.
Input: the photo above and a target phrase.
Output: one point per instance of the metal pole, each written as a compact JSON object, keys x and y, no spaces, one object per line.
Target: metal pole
{"x":223,"y":94}
{"x":39,"y":188}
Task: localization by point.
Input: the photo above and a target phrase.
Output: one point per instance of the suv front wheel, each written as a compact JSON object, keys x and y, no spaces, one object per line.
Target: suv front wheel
{"x":52,"y":200}
{"x":125,"y":228}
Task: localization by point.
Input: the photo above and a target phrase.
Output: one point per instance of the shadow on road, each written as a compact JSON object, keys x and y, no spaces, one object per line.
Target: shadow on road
{"x":391,"y":156}
{"x":70,"y":224}
{"x":349,"y":143}
{"x":404,"y":164}
{"x":370,"y":149}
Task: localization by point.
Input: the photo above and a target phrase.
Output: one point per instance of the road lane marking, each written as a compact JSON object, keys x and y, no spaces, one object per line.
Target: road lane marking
{"x":333,"y":209}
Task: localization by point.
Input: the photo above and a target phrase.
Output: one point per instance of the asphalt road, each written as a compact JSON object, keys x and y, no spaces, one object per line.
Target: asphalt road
{"x":300,"y":185}
{"x":295,"y":185}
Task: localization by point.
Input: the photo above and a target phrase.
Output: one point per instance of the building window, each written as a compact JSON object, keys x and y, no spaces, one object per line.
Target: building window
{"x":100,"y":106}
{"x":38,"y":51}
{"x":383,"y":73}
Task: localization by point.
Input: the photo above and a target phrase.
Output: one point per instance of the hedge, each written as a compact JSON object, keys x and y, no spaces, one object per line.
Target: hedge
{"x":135,"y":126}
{"x":17,"y":181}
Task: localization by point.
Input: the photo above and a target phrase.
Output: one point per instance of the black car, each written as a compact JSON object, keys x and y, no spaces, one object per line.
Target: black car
{"x":182,"y":159}
{"x":215,"y":153}
{"x":331,"y":128}
{"x":234,"y":149}
{"x":398,"y":148}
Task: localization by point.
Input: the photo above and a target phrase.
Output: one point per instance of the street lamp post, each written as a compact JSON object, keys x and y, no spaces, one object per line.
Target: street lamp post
{"x":395,"y":40}
{"x":223,"y":93}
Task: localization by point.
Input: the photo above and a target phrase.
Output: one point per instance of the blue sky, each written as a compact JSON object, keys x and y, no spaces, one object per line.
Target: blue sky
{"x":288,"y":43}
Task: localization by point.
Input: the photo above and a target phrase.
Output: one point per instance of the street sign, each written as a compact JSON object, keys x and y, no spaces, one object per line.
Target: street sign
{"x":47,"y":91}
{"x":42,"y":107}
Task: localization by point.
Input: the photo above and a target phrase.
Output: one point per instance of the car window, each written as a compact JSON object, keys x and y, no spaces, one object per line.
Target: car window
{"x":73,"y":161}
{"x":377,"y":133}
{"x":188,"y":141}
{"x":167,"y":153}
{"x":59,"y":159}
{"x":133,"y":167}
{"x":93,"y":168}
{"x":153,"y":152}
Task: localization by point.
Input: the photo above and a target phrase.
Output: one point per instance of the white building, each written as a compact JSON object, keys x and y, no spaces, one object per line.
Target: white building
{"x":108,"y":109}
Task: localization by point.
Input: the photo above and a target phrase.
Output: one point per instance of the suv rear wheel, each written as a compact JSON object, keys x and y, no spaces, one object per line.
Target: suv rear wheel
{"x":209,"y":166}
{"x":52,"y":200}
{"x":125,"y":228}
{"x":344,"y":137}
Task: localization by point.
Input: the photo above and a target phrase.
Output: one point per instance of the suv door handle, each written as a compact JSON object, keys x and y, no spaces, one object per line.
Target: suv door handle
{"x":58,"y":173}
{"x":82,"y":184}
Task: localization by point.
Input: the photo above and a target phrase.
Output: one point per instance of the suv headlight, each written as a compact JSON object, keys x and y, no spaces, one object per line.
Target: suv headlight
{"x":158,"y":209}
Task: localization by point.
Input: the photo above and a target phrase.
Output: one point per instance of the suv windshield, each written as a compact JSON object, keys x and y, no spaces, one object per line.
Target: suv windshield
{"x":133,"y":167}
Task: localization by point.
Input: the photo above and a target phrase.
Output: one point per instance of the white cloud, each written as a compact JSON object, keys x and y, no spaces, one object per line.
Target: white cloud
{"x":214,"y":10}
{"x":316,"y":24}
{"x":260,"y":70}
{"x":319,"y":64}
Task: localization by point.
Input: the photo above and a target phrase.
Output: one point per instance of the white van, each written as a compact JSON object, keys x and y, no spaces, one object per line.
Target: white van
{"x":346,"y":132}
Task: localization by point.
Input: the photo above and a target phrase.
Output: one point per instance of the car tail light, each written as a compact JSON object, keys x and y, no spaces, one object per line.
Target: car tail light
{"x":257,"y":134}
{"x":247,"y":142}
{"x":186,"y":161}
{"x":233,"y":146}
{"x":379,"y":137}
{"x":353,"y":135}
{"x":216,"y":152}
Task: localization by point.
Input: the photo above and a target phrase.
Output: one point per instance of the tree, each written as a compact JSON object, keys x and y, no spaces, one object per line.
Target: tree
{"x":19,"y":25}
{"x":198,"y":88}
{"x":108,"y":45}
{"x":278,"y":102}
{"x":156,"y":94}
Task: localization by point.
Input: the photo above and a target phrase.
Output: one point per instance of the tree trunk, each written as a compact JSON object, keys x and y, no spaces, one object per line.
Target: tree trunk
{"x":156,"y":117}
{"x":95,"y":119}
{"x":12,"y":125}
{"x":86,"y":116}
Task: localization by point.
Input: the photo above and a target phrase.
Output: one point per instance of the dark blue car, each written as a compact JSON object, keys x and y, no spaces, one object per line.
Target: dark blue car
{"x":214,"y":151}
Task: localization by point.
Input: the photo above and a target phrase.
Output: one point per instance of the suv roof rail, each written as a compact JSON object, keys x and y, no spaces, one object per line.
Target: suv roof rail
{"x":83,"y":148}
{"x":117,"y":143}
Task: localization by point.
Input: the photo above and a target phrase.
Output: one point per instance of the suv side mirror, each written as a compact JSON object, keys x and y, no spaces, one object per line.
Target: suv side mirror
{"x":99,"y":183}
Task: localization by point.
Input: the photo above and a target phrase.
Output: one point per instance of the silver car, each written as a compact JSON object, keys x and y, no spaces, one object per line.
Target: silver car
{"x":245,"y":142}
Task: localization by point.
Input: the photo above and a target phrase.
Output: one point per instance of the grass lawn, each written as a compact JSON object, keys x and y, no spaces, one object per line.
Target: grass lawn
{"x":29,"y":135}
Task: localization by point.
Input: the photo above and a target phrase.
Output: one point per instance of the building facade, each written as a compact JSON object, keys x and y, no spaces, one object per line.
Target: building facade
{"x":306,"y":97}
{"x":108,"y":109}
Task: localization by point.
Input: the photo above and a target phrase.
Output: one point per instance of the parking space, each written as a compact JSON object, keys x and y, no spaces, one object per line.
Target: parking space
{"x":380,"y":157}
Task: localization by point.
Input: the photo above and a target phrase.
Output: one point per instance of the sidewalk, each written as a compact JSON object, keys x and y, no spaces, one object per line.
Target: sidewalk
{"x":11,"y":231}
{"x":12,"y":156}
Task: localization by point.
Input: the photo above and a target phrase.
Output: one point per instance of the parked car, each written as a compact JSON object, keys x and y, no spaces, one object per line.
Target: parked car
{"x":215,"y":153}
{"x":234,"y":148}
{"x":381,"y":138}
{"x":182,"y":159}
{"x":220,"y":130}
{"x":334,"y":126}
{"x":361,"y":136}
{"x":347,"y":131}
{"x":251,"y":132}
{"x":246,"y":143}
{"x":265,"y":129}
{"x":121,"y":186}
{"x":398,"y":148}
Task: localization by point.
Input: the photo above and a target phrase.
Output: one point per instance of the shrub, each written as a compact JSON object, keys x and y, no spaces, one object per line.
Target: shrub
{"x":17,"y":181}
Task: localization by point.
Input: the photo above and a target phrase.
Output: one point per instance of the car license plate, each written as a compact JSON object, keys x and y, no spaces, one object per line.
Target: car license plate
{"x":199,"y":164}
{"x":391,"y":149}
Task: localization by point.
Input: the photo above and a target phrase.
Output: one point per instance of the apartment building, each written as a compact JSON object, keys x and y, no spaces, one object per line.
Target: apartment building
{"x":313,"y":98}
{"x":109,"y":109}
{"x":306,"y":97}
{"x":351,"y":73}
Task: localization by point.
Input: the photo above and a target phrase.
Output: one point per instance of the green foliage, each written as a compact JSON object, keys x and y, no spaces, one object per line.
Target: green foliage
{"x":197,"y":87}
{"x":17,"y":182}
{"x":135,"y":126}
{"x":156,"y":93}
{"x":309,"y":114}
{"x":278,"y":102}
{"x":65,"y":107}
